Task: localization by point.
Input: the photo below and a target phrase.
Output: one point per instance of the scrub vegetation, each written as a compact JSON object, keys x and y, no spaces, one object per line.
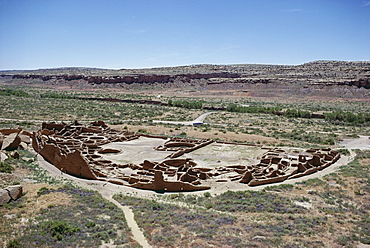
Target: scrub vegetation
{"x":331,"y":211}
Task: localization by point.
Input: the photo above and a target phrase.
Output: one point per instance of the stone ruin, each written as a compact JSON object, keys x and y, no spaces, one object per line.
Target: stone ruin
{"x":180,"y":146}
{"x":77,"y":150}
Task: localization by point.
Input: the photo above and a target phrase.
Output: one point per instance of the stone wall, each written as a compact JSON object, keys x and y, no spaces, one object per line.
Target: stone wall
{"x":77,"y":150}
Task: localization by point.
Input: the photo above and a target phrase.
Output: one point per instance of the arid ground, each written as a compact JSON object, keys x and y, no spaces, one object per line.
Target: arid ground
{"x":318,"y":104}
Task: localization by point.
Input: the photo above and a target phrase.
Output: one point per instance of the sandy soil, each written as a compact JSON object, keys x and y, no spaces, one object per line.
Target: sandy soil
{"x":191,"y":132}
{"x":213,"y":155}
{"x":136,"y":151}
{"x":362,"y":143}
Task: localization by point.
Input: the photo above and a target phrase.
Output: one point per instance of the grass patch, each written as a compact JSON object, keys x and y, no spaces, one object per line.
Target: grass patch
{"x":244,"y":201}
{"x":279,"y":188}
{"x":6,"y":167}
{"x":313,"y":182}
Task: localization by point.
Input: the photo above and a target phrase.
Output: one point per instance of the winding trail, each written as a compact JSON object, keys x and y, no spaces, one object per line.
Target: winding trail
{"x":136,"y":232}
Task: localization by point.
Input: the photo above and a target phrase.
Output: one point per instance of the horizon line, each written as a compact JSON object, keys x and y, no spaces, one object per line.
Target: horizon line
{"x":174,"y":66}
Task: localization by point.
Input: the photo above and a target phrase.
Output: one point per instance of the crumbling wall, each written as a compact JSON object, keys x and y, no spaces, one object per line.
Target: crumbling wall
{"x":76,"y":149}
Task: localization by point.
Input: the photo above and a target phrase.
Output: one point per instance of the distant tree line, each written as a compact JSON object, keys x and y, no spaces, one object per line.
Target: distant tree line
{"x":294,"y":113}
{"x":297,"y":113}
{"x":348,"y":117}
{"x":334,"y":117}
{"x":185,"y":104}
{"x":10,"y":92}
{"x":232,"y":107}
{"x":57,"y":95}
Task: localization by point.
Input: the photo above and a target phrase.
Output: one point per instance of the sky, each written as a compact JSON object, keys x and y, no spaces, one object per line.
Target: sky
{"x":156,"y":33}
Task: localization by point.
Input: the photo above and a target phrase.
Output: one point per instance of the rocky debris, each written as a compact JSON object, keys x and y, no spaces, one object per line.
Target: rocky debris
{"x":4,"y":197}
{"x":10,"y":193}
{"x":15,"y":191}
{"x":14,"y":154}
{"x":77,"y":150}
{"x":259,"y":238}
{"x":3,"y":156}
{"x":12,"y":140}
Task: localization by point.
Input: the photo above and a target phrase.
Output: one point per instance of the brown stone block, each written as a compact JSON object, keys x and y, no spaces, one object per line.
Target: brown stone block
{"x":11,"y":142}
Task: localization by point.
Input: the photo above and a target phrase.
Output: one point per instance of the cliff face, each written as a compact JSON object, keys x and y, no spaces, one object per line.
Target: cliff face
{"x":128,"y":79}
{"x":319,"y":73}
{"x":363,"y":82}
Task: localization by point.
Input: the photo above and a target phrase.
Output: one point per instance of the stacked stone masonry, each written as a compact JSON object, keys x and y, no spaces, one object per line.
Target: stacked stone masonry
{"x":77,"y":150}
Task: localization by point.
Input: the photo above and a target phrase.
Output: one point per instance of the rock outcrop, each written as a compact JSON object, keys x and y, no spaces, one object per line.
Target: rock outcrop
{"x":129,"y":79}
{"x":13,"y":139}
{"x":10,"y":193}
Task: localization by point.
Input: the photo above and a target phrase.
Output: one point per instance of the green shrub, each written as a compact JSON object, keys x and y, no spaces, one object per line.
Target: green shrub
{"x":42,"y":191}
{"x":59,"y":228}
{"x":343,"y":240}
{"x":344,"y":152}
{"x":90,"y":224}
{"x":6,"y":168}
{"x":9,"y":92}
{"x":207,"y":194}
{"x":13,"y":244}
{"x":102,"y":235}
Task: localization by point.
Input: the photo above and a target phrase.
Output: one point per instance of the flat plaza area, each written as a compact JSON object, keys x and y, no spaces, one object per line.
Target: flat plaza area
{"x":212,"y":155}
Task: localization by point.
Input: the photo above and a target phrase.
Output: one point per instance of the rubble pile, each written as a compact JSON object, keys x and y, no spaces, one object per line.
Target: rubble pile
{"x":12,"y":140}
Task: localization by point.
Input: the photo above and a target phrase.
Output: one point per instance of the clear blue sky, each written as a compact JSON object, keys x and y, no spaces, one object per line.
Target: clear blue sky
{"x":153,"y":33}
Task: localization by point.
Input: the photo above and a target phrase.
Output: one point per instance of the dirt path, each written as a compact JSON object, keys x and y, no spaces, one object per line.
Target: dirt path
{"x":136,"y":232}
{"x":107,"y":191}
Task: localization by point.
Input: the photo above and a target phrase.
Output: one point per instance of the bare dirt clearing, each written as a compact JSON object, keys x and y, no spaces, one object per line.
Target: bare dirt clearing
{"x":213,"y":155}
{"x":362,"y":143}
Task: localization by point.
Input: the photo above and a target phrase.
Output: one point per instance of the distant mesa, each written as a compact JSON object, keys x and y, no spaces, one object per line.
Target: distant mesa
{"x":312,"y":75}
